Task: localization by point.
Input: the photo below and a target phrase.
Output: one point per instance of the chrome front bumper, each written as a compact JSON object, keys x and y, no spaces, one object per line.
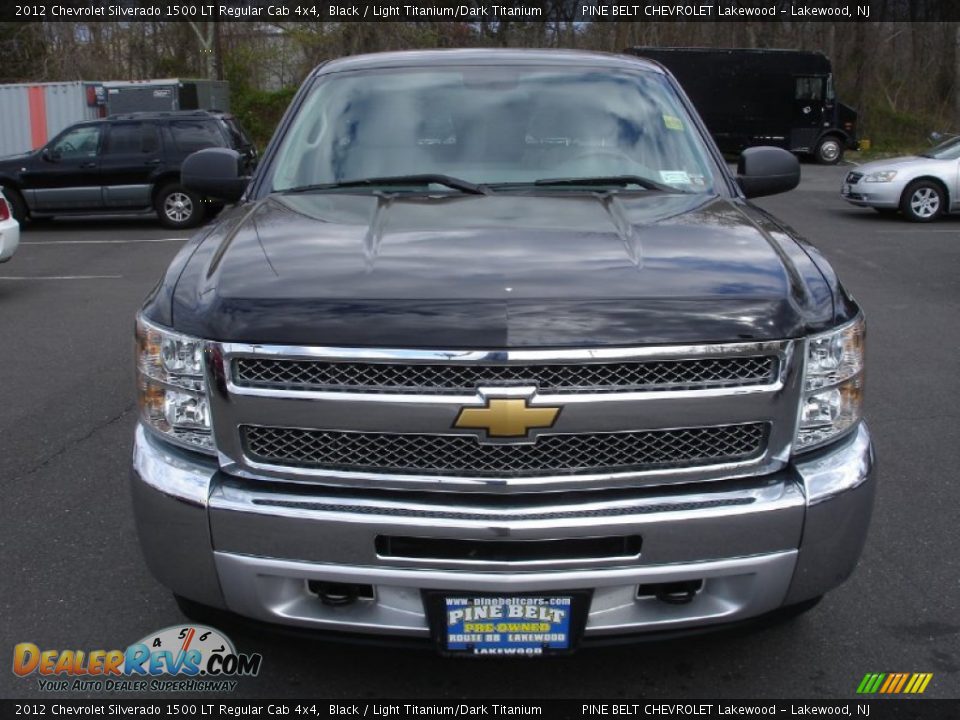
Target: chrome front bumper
{"x":251,"y":547}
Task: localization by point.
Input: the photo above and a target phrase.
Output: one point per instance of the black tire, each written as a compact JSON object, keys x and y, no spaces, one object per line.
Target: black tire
{"x":179,"y":208}
{"x":829,"y":150}
{"x":923,"y":201}
{"x":18,"y":208}
{"x":792,"y":611}
{"x":198,"y":612}
{"x":788,"y":613}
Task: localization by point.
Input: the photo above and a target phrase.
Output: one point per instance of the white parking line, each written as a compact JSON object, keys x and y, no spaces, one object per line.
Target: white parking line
{"x":60,"y":277}
{"x":916,"y":232}
{"x":102,"y":242}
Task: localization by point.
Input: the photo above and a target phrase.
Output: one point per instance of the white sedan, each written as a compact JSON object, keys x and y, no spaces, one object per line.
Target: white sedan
{"x":9,"y":231}
{"x":922,"y":187}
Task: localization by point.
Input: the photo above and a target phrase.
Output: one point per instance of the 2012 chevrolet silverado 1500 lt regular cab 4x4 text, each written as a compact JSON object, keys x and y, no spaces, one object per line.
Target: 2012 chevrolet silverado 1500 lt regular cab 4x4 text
{"x":493,"y":352}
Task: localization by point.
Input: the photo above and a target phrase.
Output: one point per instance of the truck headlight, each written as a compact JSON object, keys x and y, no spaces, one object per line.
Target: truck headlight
{"x":171,"y":387}
{"x":832,"y":400}
{"x":880,"y":176}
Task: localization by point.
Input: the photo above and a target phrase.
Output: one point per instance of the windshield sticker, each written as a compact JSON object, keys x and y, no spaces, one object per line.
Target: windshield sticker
{"x":675,"y":177}
{"x":672,"y":122}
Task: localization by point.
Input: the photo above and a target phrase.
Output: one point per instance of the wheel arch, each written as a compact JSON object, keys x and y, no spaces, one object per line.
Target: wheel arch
{"x":834,"y":132}
{"x":936,"y":181}
{"x":160,"y":182}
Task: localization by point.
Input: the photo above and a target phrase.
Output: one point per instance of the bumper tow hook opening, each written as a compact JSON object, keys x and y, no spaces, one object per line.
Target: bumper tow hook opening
{"x":672,"y":593}
{"x":338,"y":594}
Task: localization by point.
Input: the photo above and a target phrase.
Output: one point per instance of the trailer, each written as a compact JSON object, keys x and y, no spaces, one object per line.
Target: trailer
{"x":165,"y":95}
{"x":764,"y":97}
{"x":32,"y":113}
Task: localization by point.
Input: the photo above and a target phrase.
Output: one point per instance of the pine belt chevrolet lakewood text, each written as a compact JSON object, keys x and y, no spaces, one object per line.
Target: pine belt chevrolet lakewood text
{"x":493,"y":352}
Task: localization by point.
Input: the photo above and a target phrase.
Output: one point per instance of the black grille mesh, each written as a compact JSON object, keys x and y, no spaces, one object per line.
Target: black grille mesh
{"x":464,"y":455}
{"x":560,"y":378}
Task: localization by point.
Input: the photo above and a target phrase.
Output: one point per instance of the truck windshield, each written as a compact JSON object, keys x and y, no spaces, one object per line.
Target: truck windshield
{"x":496,"y":127}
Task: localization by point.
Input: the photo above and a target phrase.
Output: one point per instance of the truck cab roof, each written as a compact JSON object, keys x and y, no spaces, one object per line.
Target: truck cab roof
{"x":485,"y":56}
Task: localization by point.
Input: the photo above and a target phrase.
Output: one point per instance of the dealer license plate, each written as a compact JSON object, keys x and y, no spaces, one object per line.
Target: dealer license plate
{"x":846,"y":190}
{"x":508,"y":625}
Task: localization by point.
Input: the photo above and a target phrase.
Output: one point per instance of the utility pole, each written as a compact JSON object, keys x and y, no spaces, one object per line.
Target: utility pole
{"x":207,"y":40}
{"x":217,"y":50}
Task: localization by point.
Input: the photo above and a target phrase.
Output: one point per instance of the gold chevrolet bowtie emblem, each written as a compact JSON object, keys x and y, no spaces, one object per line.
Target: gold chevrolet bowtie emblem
{"x":506,"y":417}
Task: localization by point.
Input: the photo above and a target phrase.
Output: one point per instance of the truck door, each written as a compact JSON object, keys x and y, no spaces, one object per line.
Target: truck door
{"x":131,"y":156}
{"x":808,"y":112}
{"x":65,"y":175}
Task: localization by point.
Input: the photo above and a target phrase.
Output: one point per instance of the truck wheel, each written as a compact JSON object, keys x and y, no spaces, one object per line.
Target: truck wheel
{"x":922,"y":201}
{"x":18,"y":208}
{"x":178,"y":207}
{"x":829,"y":150}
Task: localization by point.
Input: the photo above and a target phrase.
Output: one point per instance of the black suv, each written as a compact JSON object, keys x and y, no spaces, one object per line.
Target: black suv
{"x":124,"y":163}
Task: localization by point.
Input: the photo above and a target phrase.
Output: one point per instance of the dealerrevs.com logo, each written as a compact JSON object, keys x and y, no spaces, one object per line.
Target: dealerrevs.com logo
{"x":180,"y":658}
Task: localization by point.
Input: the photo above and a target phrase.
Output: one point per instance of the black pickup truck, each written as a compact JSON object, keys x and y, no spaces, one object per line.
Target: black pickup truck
{"x":493,"y":352}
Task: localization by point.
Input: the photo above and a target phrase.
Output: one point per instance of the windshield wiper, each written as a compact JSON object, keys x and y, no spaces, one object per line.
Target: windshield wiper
{"x":612,"y":180}
{"x":422,"y":179}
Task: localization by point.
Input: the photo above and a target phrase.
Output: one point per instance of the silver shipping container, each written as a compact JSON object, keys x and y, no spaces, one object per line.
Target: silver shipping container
{"x":33,"y":113}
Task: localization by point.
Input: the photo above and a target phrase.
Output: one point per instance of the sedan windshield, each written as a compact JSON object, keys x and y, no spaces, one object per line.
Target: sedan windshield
{"x":948,"y":150}
{"x":497,"y":128}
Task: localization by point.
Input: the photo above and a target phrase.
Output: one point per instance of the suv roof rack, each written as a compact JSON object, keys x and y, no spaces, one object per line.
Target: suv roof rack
{"x":160,"y":114}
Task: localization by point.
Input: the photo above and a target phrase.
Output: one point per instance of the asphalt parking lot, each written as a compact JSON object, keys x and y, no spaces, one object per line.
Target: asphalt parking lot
{"x":71,"y":575}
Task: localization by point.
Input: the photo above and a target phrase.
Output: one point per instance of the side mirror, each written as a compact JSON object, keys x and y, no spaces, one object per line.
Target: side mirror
{"x":767,"y":171}
{"x":215,"y":173}
{"x":50,"y":155}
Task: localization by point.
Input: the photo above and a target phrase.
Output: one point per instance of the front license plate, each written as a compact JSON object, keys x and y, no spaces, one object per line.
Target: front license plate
{"x":846,"y":190}
{"x":507,"y":625}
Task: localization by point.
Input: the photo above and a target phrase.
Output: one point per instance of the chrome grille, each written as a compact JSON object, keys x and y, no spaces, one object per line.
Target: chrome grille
{"x":616,"y":376}
{"x":854,"y":177}
{"x":465,"y":456}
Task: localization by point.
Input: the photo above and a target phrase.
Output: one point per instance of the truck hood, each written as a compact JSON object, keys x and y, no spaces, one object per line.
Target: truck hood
{"x":506,"y":270}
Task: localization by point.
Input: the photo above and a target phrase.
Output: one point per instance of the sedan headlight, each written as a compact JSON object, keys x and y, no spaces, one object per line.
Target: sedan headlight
{"x":171,"y":387}
{"x":832,"y":400}
{"x":880,"y":176}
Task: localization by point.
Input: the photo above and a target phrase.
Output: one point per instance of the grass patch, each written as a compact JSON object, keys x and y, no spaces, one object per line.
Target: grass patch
{"x":893,"y":132}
